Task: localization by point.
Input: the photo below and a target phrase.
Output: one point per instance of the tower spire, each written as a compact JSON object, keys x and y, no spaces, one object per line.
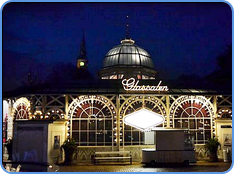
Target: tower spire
{"x":82,"y":61}
{"x":83,"y":53}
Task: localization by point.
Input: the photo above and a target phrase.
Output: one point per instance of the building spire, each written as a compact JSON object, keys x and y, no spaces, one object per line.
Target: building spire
{"x":82,"y":61}
{"x":83,"y":53}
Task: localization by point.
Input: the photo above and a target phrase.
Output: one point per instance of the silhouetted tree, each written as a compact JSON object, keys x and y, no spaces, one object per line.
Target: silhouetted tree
{"x":222,"y":76}
{"x":63,"y":72}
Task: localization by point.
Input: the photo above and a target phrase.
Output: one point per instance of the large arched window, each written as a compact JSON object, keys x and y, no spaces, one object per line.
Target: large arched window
{"x":131,"y":135}
{"x":194,"y":113}
{"x":91,"y":121}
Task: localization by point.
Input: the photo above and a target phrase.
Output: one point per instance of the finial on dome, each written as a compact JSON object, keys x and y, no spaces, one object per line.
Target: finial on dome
{"x":127,"y":27}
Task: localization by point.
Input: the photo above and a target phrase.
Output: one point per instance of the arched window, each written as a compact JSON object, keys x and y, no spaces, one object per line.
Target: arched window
{"x":91,"y":121}
{"x":195,"y":114}
{"x":131,"y":135}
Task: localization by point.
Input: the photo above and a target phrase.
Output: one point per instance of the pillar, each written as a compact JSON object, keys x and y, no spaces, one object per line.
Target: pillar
{"x":168,"y":110}
{"x":117,"y":123}
{"x":10,"y":120}
{"x":214,"y":116}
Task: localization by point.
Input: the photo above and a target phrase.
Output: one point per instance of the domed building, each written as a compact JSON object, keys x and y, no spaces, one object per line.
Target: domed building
{"x":99,"y":114}
{"x":127,"y":60}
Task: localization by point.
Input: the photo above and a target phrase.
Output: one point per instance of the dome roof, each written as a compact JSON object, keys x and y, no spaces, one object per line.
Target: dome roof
{"x":127,"y":54}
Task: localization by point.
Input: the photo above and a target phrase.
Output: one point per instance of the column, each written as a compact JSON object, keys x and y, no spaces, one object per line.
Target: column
{"x":10,"y":120}
{"x":168,"y":110}
{"x":118,"y":123}
{"x":214,"y":117}
{"x":68,"y":130}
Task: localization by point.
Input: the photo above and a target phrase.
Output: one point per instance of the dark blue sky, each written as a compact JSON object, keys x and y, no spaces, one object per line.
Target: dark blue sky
{"x":182,"y":38}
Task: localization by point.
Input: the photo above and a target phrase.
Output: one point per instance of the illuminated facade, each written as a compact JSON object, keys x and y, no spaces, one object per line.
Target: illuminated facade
{"x":95,"y":112}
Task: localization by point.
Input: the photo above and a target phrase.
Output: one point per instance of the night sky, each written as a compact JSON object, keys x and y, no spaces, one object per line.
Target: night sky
{"x":182,"y":38}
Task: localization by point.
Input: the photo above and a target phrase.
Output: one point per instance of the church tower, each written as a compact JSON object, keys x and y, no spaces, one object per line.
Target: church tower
{"x":82,"y":61}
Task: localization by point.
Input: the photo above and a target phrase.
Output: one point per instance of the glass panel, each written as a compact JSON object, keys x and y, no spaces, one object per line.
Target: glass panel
{"x":108,"y":136}
{"x":115,"y":51}
{"x":125,"y":57}
{"x":83,"y":124}
{"x":137,"y":59}
{"x":141,"y":51}
{"x":115,"y":60}
{"x":100,"y":125}
{"x":100,"y":137}
{"x":111,"y":60}
{"x":178,"y":123}
{"x":91,"y":136}
{"x":127,"y":136}
{"x":200,"y":135}
{"x":133,"y":59}
{"x":194,"y":135}
{"x":92,"y":125}
{"x":83,"y":136}
{"x":121,"y":59}
{"x":135,"y":136}
{"x":75,"y":124}
{"x":108,"y":125}
{"x":124,"y":49}
{"x":75,"y":136}
{"x":129,"y":59}
{"x":192,"y":124}
{"x":184,"y":123}
{"x":207,"y":134}
{"x":112,"y":51}
{"x":147,"y":61}
{"x":142,"y":137}
{"x":207,"y":124}
{"x":129,"y":50}
{"x":143,"y":61}
{"x":107,"y":61}
{"x":200,"y":123}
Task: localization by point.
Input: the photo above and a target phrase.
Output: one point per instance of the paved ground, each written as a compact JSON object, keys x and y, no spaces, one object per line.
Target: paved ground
{"x":200,"y":166}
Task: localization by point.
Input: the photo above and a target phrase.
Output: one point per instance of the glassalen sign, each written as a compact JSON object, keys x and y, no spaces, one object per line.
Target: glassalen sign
{"x":132,"y":85}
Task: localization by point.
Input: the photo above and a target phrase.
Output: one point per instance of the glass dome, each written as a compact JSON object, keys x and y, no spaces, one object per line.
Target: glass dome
{"x":127,"y":54}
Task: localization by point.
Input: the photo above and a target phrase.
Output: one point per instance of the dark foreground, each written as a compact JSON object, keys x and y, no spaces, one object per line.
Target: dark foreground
{"x":200,"y":166}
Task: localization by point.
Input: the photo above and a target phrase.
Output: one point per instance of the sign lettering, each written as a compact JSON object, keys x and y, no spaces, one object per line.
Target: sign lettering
{"x":132,"y":85}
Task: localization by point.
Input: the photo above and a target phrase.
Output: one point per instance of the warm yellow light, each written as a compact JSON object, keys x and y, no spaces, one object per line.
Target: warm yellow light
{"x":82,"y":64}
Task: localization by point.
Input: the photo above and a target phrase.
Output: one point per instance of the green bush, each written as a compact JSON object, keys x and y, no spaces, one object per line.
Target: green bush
{"x":69,"y":147}
{"x":212,"y":147}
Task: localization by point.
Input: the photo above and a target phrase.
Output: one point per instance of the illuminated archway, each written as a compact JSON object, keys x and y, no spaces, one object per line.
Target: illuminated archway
{"x":54,"y":114}
{"x":91,"y":120}
{"x":21,"y":109}
{"x":225,"y":113}
{"x":37,"y":115}
{"x":133,"y":136}
{"x":195,"y":113}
